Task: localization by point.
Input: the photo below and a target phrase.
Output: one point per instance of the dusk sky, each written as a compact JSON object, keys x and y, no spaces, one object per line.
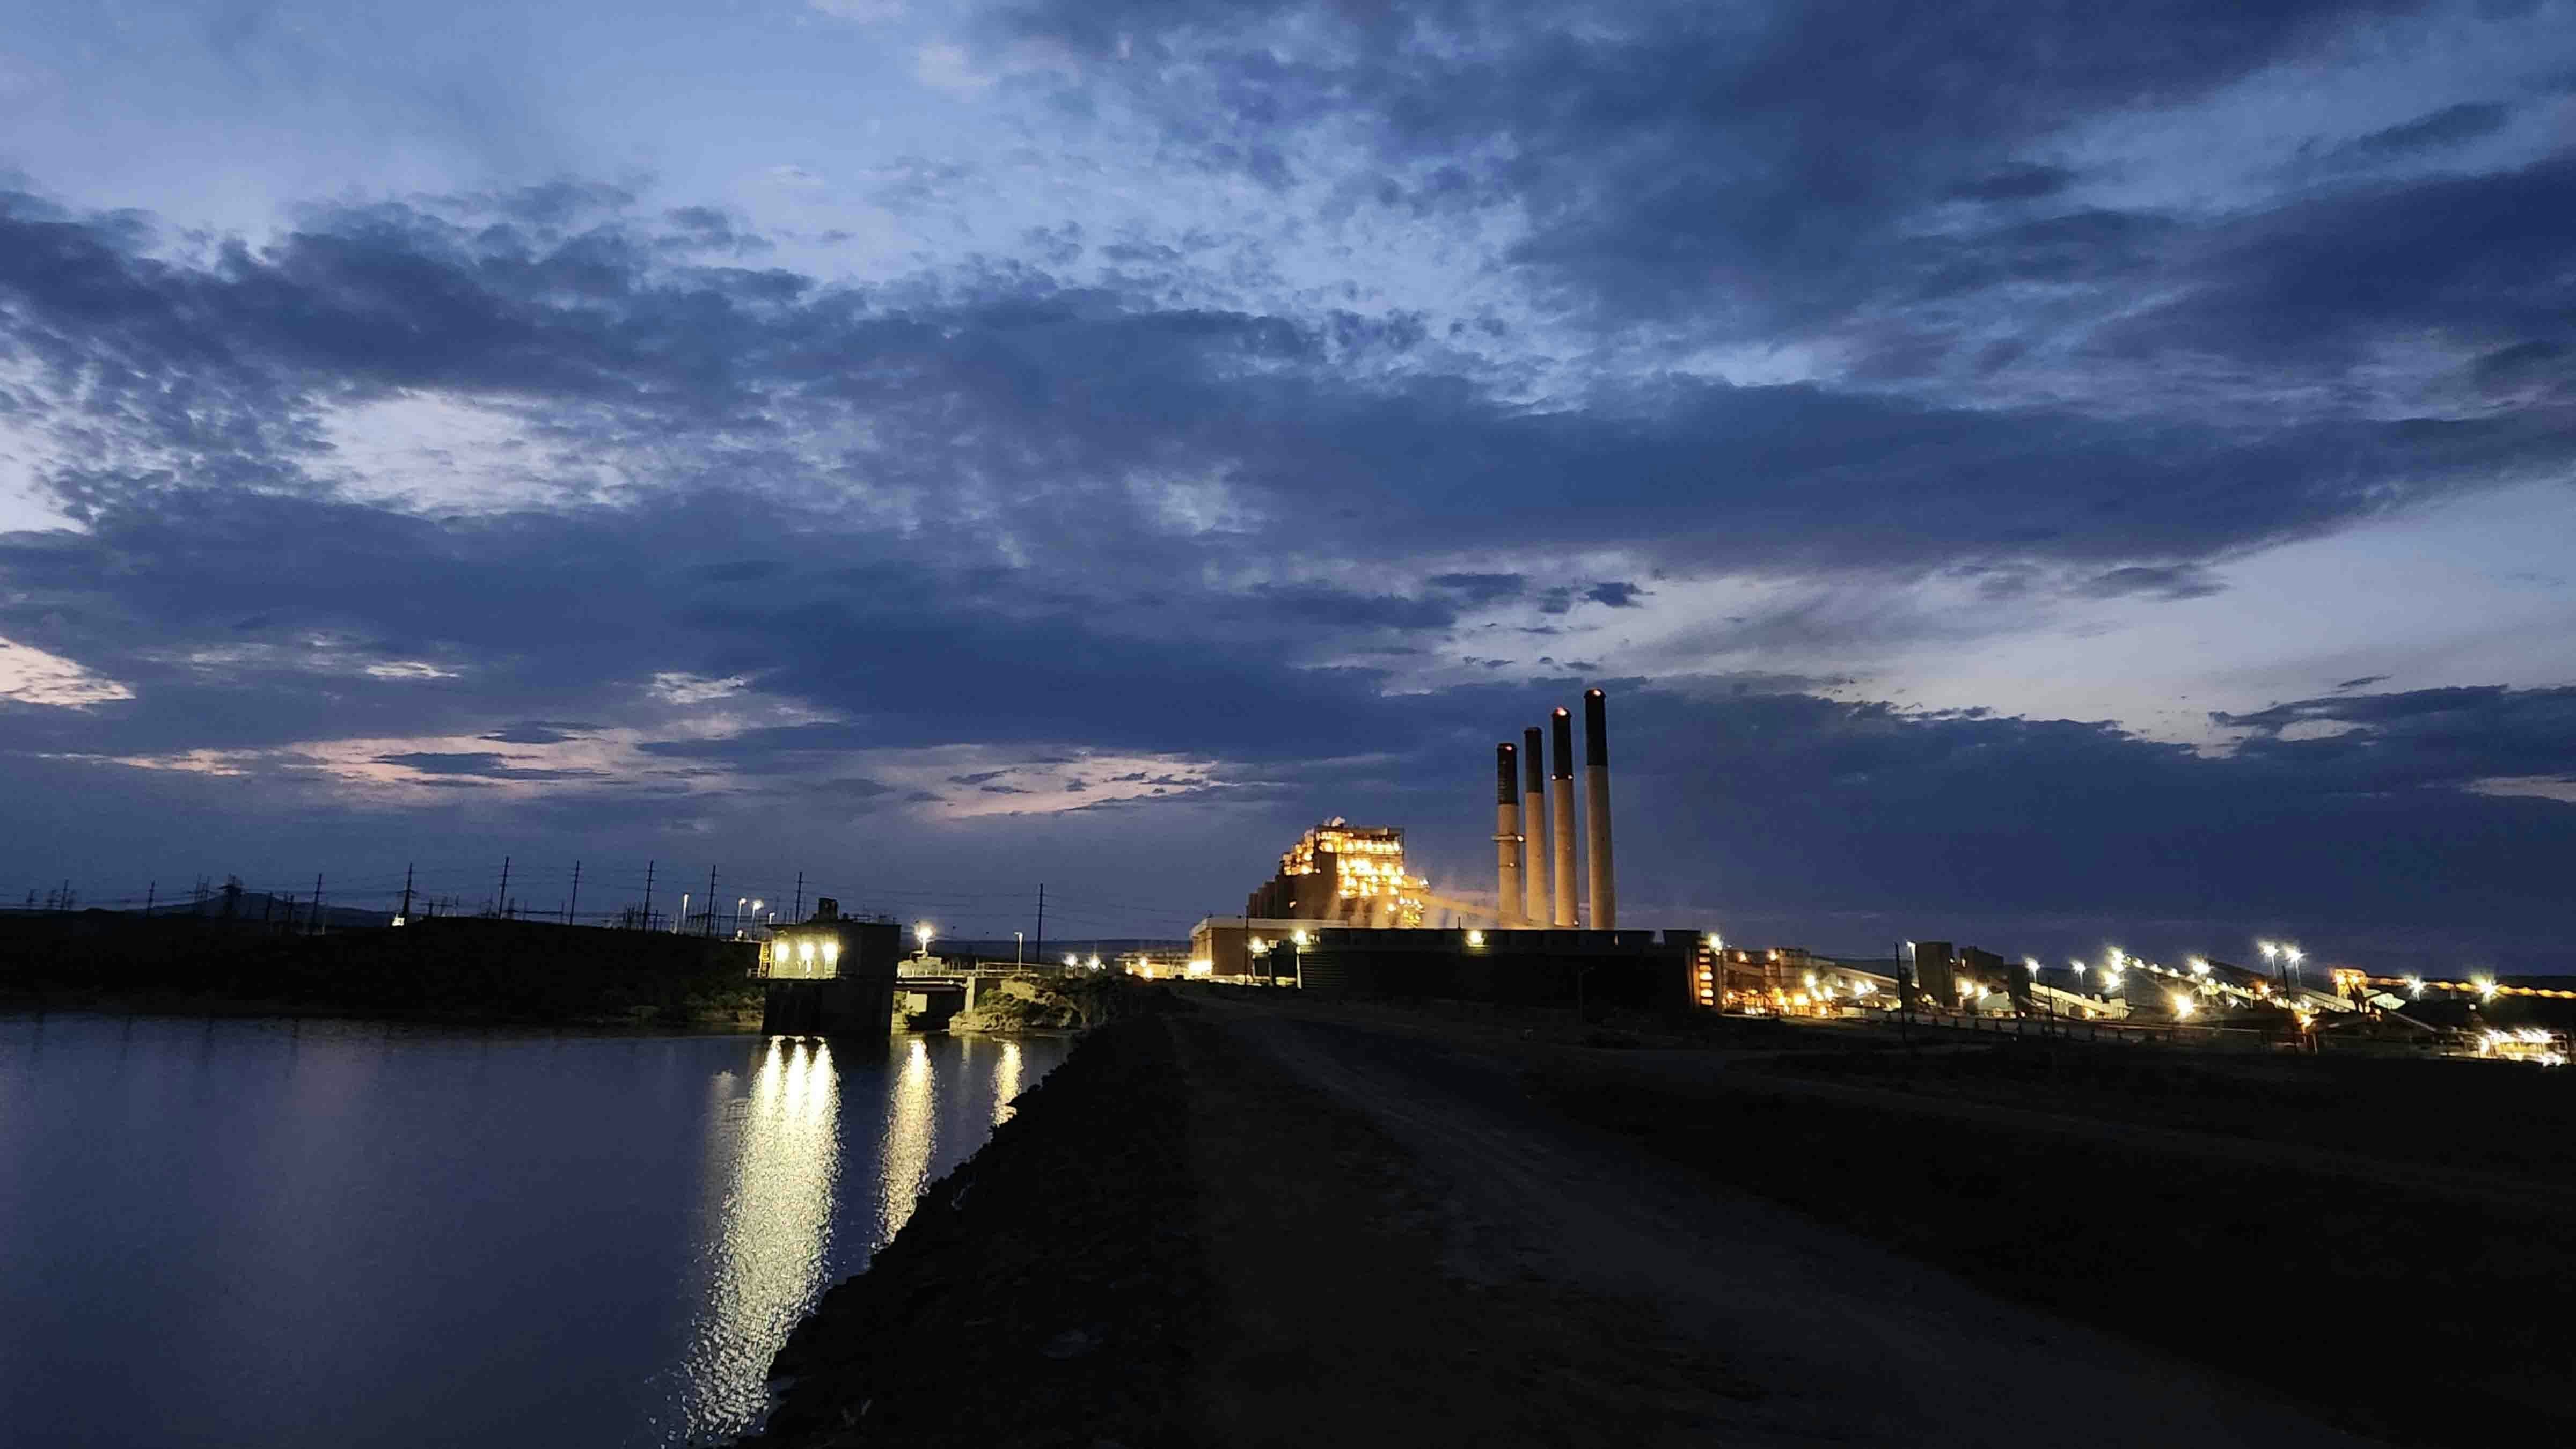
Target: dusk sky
{"x":2045,"y":475}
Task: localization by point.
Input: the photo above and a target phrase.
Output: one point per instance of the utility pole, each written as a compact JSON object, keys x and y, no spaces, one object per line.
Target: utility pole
{"x":572,"y":908}
{"x":648,"y":896}
{"x":1041,"y":920}
{"x":148,"y":893}
{"x":405,"y":916}
{"x":711,"y":903}
{"x":503,"y":909}
{"x":797,"y":911}
{"x":317,"y":903}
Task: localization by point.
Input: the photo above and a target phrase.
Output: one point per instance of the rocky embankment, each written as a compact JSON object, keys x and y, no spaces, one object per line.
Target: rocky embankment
{"x":1046,"y":1292}
{"x":1175,"y":1241}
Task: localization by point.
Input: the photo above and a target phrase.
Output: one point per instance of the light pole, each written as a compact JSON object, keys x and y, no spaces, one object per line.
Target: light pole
{"x":1019,"y":948}
{"x":738,"y":903}
{"x":922,"y":932}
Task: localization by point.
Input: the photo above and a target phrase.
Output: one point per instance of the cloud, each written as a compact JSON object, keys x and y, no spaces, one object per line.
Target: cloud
{"x":2416,"y":739}
{"x":1667,"y":155}
{"x":2157,"y":581}
{"x":859,"y":12}
{"x":31,"y":676}
{"x":1849,"y":337}
{"x":481,"y":765}
{"x":2449,"y":126}
{"x":1478,"y":590}
{"x":542,"y":732}
{"x":948,"y":67}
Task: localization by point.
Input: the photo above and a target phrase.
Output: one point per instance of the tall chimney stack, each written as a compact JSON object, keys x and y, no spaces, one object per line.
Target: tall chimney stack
{"x":1560,"y":800}
{"x":1596,"y":810}
{"x":1534,"y":860}
{"x":1507,"y":836}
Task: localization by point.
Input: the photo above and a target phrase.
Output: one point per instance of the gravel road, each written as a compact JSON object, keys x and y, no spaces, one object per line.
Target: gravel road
{"x":1826,"y":1338}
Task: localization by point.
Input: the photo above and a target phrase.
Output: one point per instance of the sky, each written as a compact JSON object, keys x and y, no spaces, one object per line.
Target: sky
{"x":2043,"y":475}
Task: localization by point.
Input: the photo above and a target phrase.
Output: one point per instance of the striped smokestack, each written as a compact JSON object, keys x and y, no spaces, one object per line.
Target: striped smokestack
{"x":1596,"y":810}
{"x":1560,"y":801}
{"x":1507,"y":836}
{"x":1534,"y":861}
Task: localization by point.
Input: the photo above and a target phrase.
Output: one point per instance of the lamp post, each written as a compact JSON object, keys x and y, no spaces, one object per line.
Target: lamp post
{"x":922,"y":932}
{"x":1019,"y":947}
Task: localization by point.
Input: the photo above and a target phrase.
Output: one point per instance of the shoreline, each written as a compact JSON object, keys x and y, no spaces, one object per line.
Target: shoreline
{"x":744,"y":1021}
{"x":184,"y":1005}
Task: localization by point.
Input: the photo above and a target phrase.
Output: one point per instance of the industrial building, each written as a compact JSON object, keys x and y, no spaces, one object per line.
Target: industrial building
{"x":1344,"y":915}
{"x":830,"y":974}
{"x":1236,"y":947}
{"x":1353,"y":874}
{"x":1789,"y":981}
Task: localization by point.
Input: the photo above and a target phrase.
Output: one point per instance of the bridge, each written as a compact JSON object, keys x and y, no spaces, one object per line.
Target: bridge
{"x":930,"y":986}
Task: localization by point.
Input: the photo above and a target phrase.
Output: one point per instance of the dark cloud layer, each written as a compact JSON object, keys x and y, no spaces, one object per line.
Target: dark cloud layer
{"x":1012,"y":513}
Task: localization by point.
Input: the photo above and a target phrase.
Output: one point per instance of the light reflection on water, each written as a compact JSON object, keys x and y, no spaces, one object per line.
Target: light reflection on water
{"x":911,"y":1136}
{"x":311,"y":1233}
{"x":1006,"y":1083}
{"x":774,"y":1238}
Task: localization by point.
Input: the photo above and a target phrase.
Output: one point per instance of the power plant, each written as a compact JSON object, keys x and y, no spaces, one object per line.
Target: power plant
{"x":1318,"y":925}
{"x":1534,"y":879}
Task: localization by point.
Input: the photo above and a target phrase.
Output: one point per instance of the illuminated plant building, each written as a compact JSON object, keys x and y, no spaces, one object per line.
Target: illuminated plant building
{"x":1345,"y":873}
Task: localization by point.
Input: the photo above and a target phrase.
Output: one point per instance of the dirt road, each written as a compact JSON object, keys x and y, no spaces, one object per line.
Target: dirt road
{"x":1799,"y":1333}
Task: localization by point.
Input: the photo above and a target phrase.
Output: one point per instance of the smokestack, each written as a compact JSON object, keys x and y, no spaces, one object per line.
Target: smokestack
{"x":1560,"y":800}
{"x":1596,"y":810}
{"x":1534,"y":860}
{"x":1507,"y":836}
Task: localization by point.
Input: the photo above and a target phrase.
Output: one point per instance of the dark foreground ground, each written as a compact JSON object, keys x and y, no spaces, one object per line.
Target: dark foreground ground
{"x":1283,"y":1223}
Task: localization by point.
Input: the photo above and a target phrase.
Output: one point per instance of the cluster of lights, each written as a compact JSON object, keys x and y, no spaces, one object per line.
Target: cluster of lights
{"x":2526,"y":1044}
{"x":2487,"y":988}
{"x":1367,"y":864}
{"x":2281,"y":953}
{"x":786,"y":952}
{"x":1819,"y":996}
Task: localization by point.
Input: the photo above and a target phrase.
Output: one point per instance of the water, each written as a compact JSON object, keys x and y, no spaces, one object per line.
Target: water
{"x":278,"y":1233}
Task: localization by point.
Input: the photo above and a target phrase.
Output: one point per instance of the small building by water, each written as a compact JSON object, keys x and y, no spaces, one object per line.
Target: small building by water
{"x":830,"y":975}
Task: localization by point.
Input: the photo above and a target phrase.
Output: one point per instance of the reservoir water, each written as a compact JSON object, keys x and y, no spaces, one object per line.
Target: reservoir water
{"x":284,"y":1233}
